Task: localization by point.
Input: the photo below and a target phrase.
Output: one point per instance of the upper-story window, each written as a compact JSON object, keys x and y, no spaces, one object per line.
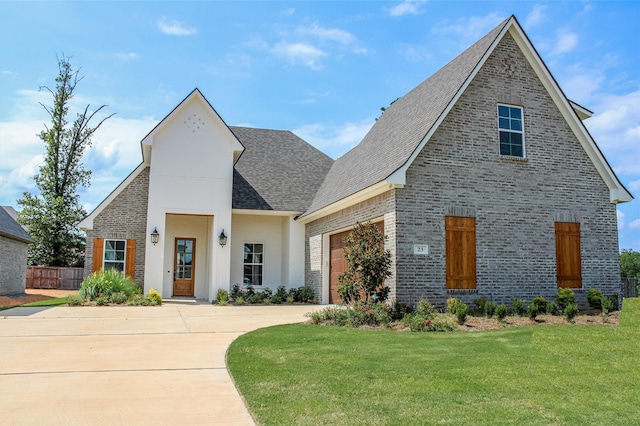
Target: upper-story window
{"x":511,"y":131}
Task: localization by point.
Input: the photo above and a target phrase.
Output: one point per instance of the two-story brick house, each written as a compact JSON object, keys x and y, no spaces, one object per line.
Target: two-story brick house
{"x":483,"y":177}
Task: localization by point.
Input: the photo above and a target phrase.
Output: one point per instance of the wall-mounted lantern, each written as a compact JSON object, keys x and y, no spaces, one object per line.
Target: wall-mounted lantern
{"x":223,"y":239}
{"x":155,"y":236}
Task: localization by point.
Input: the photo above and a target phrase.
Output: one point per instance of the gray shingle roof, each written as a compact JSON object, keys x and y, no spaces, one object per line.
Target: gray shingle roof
{"x":11,"y":229}
{"x":276,"y":171}
{"x":399,"y":131}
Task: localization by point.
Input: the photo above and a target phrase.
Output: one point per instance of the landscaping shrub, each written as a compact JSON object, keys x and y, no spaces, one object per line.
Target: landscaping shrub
{"x":118,"y":298}
{"x":594,"y":298}
{"x":75,"y":300}
{"x":480,"y":305}
{"x":501,"y":312}
{"x":553,"y":309}
{"x":537,"y":306}
{"x":452,"y":305}
{"x":607,"y":306}
{"x":399,"y":310}
{"x":289,"y":299}
{"x":222,"y":297}
{"x":276,"y":299}
{"x":138,"y":300}
{"x":249,"y":291}
{"x":331,"y":315}
{"x":236,"y":291}
{"x":239,"y":300}
{"x":281,"y":292}
{"x":565,"y":297}
{"x":305,"y":294}
{"x":490,"y":308}
{"x":614,"y":302}
{"x":518,"y":306}
{"x":101,"y":300}
{"x":267,"y":293}
{"x":461,"y":313}
{"x":255,"y":297}
{"x":570,"y":312}
{"x":374,"y":314}
{"x":424,"y":307}
{"x":105,"y":283}
{"x":154,"y":297}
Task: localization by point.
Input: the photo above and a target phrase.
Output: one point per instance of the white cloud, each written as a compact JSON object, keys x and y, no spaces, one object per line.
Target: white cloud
{"x":127,"y":56}
{"x":620,"y":217}
{"x":535,"y":17}
{"x":334,"y":140}
{"x":469,"y":30}
{"x":616,"y":128}
{"x":299,"y":53}
{"x":635,"y":224}
{"x":566,"y":42}
{"x":634,"y":186}
{"x":407,"y":7}
{"x":333,"y":34}
{"x":177,"y":28}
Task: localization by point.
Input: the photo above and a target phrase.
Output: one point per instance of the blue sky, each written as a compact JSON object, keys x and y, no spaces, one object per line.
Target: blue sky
{"x":320,"y":69}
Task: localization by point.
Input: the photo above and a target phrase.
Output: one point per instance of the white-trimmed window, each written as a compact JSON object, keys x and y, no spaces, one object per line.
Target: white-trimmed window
{"x":253,"y":263}
{"x":114,"y":255}
{"x":511,"y":131}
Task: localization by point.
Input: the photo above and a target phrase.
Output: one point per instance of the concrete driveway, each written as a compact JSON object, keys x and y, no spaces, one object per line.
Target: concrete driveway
{"x":126,"y":365}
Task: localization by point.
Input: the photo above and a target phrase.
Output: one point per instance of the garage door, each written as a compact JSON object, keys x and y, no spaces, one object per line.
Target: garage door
{"x":338,"y":263}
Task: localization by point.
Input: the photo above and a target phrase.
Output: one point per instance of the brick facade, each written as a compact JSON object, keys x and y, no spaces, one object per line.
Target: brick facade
{"x":374,"y":208}
{"x":13,"y":265}
{"x":124,"y":218}
{"x":516,"y":202}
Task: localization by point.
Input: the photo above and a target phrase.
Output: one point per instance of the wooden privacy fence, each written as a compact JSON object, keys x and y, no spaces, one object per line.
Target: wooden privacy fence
{"x":629,"y":287}
{"x":54,"y":277}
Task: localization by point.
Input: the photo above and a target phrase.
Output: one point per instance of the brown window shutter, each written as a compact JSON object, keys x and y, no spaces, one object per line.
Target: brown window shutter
{"x":568,"y":262}
{"x":98,"y":254}
{"x":130,"y":259}
{"x":460,"y":234}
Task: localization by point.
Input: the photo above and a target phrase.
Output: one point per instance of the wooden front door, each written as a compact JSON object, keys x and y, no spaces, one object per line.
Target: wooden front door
{"x":338,"y":264}
{"x":184,"y":267}
{"x":568,"y":263}
{"x":460,"y":233}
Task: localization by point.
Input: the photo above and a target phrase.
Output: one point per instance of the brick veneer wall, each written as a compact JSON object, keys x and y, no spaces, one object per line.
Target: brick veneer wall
{"x":13,"y":265}
{"x":380,"y":206}
{"x":515,"y":203}
{"x":124,"y":218}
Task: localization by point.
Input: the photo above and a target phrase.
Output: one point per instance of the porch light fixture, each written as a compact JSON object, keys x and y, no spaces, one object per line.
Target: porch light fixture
{"x":155,"y":236}
{"x":223,"y":239}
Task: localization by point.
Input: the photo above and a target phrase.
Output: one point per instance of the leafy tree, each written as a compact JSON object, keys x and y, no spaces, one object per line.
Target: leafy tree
{"x":630,"y":263}
{"x":51,"y":216}
{"x":368,"y":265}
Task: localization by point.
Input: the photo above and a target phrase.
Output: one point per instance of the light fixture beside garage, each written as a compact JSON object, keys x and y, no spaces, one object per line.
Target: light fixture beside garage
{"x":155,"y":236}
{"x":223,"y":239}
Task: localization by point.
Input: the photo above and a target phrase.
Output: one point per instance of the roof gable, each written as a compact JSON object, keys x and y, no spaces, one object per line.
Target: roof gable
{"x":9,"y":228}
{"x":395,"y":140}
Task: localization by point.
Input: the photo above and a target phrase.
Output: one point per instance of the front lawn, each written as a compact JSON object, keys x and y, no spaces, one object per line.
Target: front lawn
{"x":565,"y":374}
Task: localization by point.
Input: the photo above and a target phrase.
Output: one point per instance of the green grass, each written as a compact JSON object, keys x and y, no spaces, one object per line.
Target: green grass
{"x":56,"y":301}
{"x":536,"y":375}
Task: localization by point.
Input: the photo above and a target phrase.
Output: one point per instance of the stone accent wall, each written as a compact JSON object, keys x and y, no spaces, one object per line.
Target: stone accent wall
{"x":13,"y":266}
{"x":380,"y":206}
{"x":515,"y":202}
{"x":124,"y":218}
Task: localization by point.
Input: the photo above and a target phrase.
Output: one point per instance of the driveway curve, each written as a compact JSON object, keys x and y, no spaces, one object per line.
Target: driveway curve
{"x":161,"y":365}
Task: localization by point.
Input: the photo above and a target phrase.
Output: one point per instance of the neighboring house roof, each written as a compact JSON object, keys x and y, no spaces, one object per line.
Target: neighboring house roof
{"x":11,"y":229}
{"x":276,"y":171}
{"x":405,"y":127}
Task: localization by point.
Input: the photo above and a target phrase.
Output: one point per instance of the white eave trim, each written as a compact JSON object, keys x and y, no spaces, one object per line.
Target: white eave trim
{"x":265,"y":212}
{"x":87,"y":223}
{"x":362,"y":195}
{"x":581,"y":111}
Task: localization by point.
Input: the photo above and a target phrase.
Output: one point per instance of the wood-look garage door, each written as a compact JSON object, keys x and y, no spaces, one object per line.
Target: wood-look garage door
{"x":338,"y":263}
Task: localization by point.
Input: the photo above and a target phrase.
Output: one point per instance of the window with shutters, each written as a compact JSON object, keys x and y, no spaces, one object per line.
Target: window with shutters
{"x":114,"y":255}
{"x":460,"y":241}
